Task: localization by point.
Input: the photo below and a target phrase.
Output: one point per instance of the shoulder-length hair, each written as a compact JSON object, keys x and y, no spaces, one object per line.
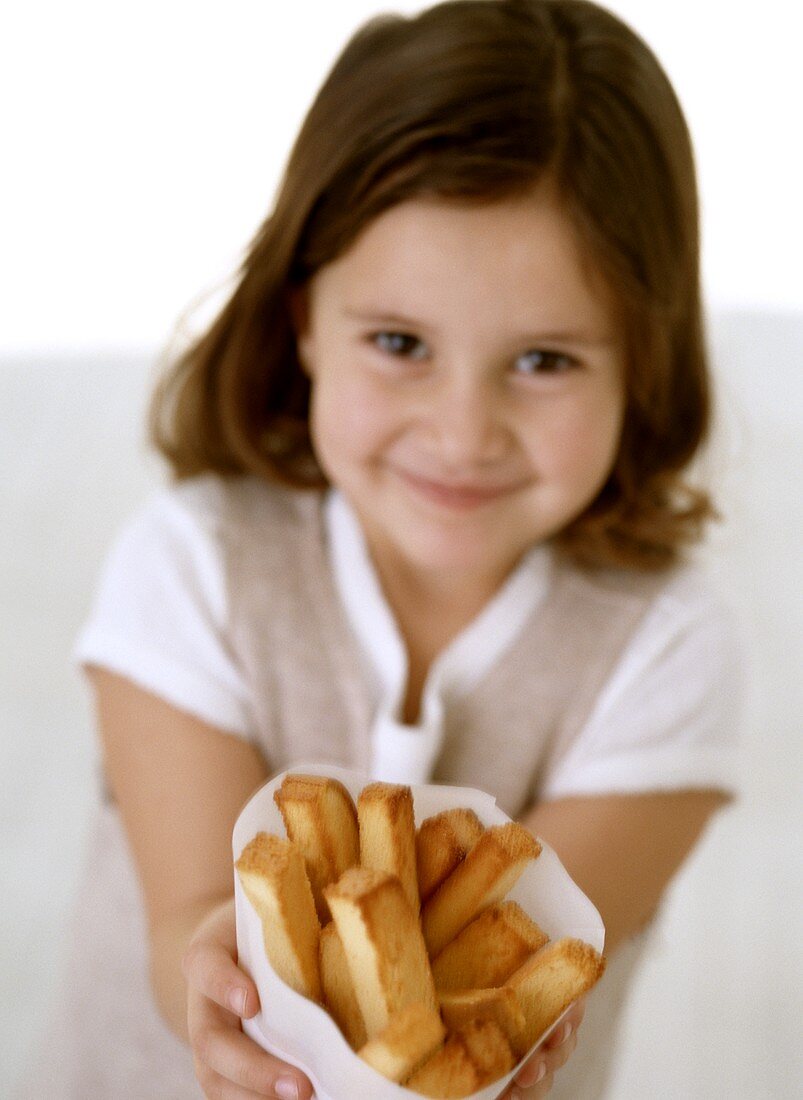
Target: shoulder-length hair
{"x":475,"y":101}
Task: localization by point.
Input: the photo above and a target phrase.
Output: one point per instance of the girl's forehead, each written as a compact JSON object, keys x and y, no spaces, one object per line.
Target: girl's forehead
{"x":481,"y":225}
{"x":423,"y":255}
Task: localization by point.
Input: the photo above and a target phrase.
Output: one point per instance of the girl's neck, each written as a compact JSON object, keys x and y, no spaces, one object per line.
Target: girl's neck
{"x":430,"y":611}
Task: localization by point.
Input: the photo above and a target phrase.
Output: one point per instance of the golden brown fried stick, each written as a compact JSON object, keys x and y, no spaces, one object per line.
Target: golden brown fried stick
{"x":499,"y":1005}
{"x":320,"y":817}
{"x":384,"y":947}
{"x":548,"y":983}
{"x":489,"y":949}
{"x":411,"y":1036}
{"x":471,"y":1058}
{"x":387,"y":834}
{"x":274,"y":879}
{"x":490,"y":869}
{"x":338,"y":988}
{"x":441,"y":842}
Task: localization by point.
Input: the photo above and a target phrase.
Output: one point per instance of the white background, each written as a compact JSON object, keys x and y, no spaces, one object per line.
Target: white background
{"x":142,"y":144}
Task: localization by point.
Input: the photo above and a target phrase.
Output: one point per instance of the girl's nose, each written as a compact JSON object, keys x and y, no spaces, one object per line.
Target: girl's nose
{"x":468,"y":426}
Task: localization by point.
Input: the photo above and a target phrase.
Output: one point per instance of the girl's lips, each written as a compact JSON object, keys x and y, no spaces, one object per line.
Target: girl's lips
{"x":455,"y":496}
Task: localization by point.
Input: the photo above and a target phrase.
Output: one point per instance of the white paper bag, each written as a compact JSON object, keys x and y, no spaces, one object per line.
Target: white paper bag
{"x":299,"y":1031}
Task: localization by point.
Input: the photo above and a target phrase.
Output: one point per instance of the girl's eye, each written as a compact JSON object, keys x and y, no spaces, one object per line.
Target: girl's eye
{"x":544,"y":362}
{"x":401,"y":344}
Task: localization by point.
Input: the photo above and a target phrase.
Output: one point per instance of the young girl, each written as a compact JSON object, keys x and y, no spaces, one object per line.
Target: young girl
{"x":428,"y":521}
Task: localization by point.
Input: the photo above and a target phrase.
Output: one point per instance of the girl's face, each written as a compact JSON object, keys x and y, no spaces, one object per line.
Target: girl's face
{"x":467,"y":393}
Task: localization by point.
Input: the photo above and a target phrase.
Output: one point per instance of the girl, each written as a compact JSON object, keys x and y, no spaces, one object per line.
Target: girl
{"x":428,"y":520}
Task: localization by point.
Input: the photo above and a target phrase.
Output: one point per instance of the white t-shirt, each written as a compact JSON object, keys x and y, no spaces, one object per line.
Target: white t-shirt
{"x":666,"y":719}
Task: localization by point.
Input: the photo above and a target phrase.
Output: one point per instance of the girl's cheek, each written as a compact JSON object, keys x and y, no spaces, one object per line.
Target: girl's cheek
{"x":581,"y":445}
{"x":352,"y":417}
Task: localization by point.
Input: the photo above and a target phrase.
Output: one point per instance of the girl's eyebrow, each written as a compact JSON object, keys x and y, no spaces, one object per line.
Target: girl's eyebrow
{"x":380,"y":316}
{"x":586,"y":339}
{"x":562,"y":336}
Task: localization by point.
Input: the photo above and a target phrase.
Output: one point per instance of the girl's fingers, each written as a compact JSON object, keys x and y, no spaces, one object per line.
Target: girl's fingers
{"x":545,"y":1062}
{"x":558,"y":1056}
{"x":573,"y":1019}
{"x":534,"y":1079}
{"x":540,"y":1090}
{"x":228,"y":1060}
{"x":217,"y":1088}
{"x":229,"y":1065}
{"x":534,"y":1092}
{"x":211,"y":971}
{"x":209,"y":965}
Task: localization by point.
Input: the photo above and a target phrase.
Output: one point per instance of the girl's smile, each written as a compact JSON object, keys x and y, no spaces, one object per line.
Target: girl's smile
{"x":455,"y":495}
{"x":466,"y":383}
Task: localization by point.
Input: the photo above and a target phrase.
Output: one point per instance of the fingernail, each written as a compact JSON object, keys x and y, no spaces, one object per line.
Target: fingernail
{"x":237,"y":1001}
{"x":531,"y":1076}
{"x":286,"y":1088}
{"x":565,"y":1032}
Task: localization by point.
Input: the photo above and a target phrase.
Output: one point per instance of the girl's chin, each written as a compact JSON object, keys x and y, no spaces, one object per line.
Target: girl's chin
{"x":453,"y":557}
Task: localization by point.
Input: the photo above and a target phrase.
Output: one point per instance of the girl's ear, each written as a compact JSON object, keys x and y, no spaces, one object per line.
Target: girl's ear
{"x":298,"y":305}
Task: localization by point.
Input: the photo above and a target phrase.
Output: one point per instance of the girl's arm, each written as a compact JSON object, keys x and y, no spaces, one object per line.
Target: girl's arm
{"x":180,"y":785}
{"x":623,"y":850}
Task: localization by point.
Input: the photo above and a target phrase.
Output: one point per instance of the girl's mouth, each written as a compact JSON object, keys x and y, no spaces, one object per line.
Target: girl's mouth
{"x":460,"y":496}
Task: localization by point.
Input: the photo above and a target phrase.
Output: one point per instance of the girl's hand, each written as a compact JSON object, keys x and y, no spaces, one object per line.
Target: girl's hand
{"x":228,"y":1064}
{"x":535,"y":1078}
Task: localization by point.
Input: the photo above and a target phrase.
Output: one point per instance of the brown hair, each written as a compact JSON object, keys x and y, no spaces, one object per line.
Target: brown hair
{"x":473,"y":101}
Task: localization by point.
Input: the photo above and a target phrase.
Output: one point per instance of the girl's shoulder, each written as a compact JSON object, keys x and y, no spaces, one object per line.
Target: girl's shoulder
{"x":199,"y":533}
{"x":174,"y":577}
{"x":686,"y":593}
{"x":229,"y":509}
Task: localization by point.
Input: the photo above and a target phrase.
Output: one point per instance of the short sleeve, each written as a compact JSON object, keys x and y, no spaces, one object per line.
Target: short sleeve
{"x":670,"y":715}
{"x":160,"y":611}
